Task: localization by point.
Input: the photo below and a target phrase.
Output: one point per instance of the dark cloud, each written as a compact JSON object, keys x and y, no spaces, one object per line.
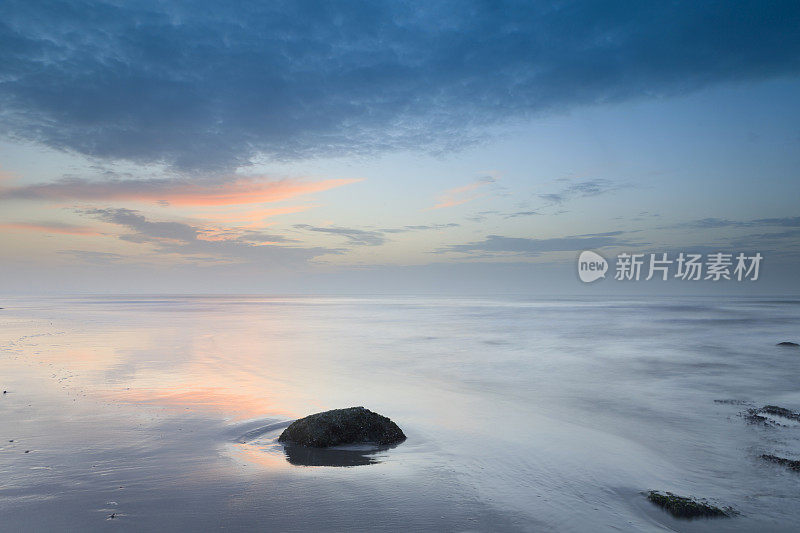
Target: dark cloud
{"x":496,"y":244}
{"x":199,"y":244}
{"x":208,"y":85}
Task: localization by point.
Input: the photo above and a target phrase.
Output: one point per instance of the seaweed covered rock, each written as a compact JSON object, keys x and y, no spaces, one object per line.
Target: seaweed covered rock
{"x":788,"y":463}
{"x":756,"y":416}
{"x":354,"y":425}
{"x":682,"y":507}
{"x":781,"y":411}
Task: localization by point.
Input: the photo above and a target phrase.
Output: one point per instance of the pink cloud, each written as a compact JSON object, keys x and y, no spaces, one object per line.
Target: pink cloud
{"x":239,"y":191}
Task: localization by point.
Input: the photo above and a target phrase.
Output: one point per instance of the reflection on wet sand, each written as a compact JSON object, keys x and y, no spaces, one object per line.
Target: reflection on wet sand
{"x":221,"y":400}
{"x":255,"y":455}
{"x":178,"y":365}
{"x":273,"y":455}
{"x":336,"y":456}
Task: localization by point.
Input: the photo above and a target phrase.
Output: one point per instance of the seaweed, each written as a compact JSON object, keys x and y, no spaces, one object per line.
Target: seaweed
{"x":687,"y":508}
{"x":756,"y":416}
{"x":788,"y":463}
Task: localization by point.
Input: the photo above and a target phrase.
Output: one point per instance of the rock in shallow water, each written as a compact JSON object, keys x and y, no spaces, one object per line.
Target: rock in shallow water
{"x":354,"y":425}
{"x":682,"y":507}
{"x":788,"y":463}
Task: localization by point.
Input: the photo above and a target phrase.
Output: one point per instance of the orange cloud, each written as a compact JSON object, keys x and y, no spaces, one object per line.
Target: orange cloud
{"x":245,"y":191}
{"x":50,"y":227}
{"x":461,"y":195}
{"x":239,"y":191}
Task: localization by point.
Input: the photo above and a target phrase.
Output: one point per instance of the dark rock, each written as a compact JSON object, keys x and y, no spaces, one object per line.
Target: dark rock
{"x":788,"y":344}
{"x":788,"y":463}
{"x":354,"y":425}
{"x":681,"y":507}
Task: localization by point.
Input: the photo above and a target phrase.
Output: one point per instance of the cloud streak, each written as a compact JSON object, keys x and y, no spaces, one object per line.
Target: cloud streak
{"x":497,"y":244}
{"x":716,"y":223}
{"x":357,"y":237}
{"x":423,"y":227}
{"x":463,"y":194}
{"x":581,"y":189}
{"x":97,"y":258}
{"x":173,"y":191}
{"x":360,"y":237}
{"x":50,"y":228}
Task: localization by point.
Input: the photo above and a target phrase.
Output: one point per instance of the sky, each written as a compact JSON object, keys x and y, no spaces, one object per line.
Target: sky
{"x":369,"y":147}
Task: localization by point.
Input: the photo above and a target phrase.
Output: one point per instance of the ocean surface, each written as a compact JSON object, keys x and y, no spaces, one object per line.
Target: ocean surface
{"x":150,"y":413}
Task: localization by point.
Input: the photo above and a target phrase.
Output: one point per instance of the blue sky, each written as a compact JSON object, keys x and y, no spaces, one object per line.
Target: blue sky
{"x":347,"y":146}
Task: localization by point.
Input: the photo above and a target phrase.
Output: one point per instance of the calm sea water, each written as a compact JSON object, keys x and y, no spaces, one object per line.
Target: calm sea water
{"x":530,"y":415}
